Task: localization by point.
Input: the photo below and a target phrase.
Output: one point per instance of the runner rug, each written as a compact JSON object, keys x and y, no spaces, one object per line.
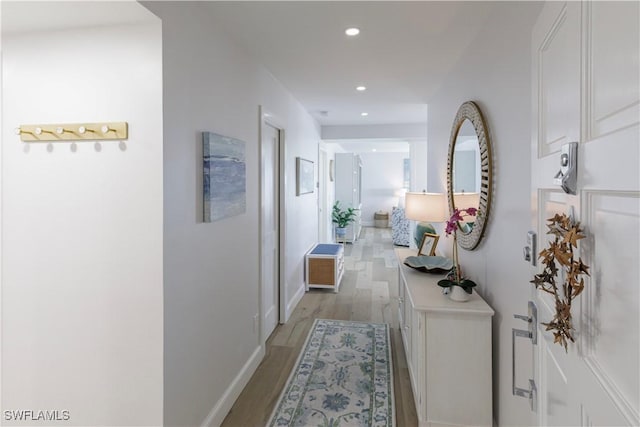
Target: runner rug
{"x":343,"y":377}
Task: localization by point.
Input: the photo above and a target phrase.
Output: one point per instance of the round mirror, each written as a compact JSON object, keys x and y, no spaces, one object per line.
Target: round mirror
{"x":469,"y":173}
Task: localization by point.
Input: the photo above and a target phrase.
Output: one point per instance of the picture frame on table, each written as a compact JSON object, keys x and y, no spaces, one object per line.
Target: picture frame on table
{"x":428,"y":244}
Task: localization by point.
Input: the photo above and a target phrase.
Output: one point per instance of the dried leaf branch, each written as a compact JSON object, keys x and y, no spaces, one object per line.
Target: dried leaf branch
{"x":560,"y":256}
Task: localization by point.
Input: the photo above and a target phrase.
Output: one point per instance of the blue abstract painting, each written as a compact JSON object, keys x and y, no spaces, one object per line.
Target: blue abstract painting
{"x":225,"y":178}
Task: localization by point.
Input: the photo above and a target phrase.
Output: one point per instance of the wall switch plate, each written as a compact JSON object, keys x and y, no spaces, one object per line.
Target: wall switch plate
{"x":531,"y":250}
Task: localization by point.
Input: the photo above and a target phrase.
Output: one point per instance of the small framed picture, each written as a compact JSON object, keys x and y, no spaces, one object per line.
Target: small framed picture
{"x":428,"y":245}
{"x":304,"y":176}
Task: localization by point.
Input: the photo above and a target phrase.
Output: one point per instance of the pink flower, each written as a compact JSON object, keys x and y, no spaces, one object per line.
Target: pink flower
{"x":452,"y":223}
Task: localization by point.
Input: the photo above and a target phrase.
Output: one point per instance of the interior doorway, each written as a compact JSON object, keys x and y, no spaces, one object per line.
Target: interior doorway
{"x":271,"y":243}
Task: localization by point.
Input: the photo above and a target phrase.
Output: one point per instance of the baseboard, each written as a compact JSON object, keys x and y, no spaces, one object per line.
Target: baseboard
{"x":291,"y":305}
{"x":223,"y":406}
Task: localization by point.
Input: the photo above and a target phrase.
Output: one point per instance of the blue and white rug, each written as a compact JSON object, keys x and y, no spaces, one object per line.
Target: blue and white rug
{"x":343,"y":377}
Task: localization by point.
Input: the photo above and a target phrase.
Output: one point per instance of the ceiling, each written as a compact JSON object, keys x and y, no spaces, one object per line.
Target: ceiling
{"x":402,"y":54}
{"x":27,"y":16}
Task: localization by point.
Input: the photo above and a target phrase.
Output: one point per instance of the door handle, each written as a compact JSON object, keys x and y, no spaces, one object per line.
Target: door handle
{"x":531,"y":333}
{"x":567,"y":177}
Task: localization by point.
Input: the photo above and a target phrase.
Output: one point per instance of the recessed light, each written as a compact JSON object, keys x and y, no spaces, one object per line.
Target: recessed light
{"x":352,"y":31}
{"x":374,"y":150}
{"x":364,"y":114}
{"x":361,"y":88}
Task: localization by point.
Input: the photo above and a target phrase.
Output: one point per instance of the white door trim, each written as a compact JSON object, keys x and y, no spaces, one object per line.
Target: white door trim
{"x":268,"y":118}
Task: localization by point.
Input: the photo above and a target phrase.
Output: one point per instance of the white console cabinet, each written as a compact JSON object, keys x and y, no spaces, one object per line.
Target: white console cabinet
{"x":448,"y":349}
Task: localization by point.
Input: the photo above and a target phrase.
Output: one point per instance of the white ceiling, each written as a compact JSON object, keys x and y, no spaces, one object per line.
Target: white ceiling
{"x":371,"y":146}
{"x":402,"y":54}
{"x":27,"y":16}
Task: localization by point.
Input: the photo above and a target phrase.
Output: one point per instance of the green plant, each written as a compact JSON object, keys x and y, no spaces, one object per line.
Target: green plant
{"x":342,"y":217}
{"x":559,"y":255}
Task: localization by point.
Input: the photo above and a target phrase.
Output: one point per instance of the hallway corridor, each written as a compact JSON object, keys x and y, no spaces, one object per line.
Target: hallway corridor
{"x":368,"y":293}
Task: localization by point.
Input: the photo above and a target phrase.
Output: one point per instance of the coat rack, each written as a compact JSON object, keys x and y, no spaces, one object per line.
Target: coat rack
{"x":73,"y":132}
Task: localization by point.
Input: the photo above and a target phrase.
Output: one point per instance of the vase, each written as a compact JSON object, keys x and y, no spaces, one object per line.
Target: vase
{"x":458,"y":294}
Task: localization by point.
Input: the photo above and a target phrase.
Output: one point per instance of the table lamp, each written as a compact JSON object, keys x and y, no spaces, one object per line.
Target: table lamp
{"x":428,"y":207}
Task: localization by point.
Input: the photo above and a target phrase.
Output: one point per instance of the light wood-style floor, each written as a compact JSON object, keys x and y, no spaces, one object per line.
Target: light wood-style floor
{"x":368,"y":292}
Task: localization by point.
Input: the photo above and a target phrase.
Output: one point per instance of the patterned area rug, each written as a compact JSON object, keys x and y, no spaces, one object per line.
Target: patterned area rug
{"x":343,"y":377}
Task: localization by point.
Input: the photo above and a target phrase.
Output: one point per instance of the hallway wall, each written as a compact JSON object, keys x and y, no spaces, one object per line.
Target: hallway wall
{"x":211,"y":270}
{"x":82,"y":223}
{"x":495,"y":73}
{"x":382,"y":178}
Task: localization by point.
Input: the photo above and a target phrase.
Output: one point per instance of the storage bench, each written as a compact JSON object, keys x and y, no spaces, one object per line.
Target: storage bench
{"x":324,"y":266}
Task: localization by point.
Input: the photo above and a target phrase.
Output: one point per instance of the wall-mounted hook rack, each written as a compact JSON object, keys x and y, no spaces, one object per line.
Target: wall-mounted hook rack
{"x":74,"y":132}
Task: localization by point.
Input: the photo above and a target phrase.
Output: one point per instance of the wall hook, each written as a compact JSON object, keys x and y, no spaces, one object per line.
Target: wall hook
{"x":20,"y":131}
{"x":83,"y":130}
{"x":61,"y":130}
{"x":40,"y":131}
{"x":73,"y":131}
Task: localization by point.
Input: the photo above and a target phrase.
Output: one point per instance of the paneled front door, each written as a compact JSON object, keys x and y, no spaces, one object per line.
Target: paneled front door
{"x":586,"y":89}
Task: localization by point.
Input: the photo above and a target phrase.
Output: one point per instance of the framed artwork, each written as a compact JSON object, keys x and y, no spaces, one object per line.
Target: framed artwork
{"x":304,"y":176}
{"x":428,"y":244}
{"x":224,"y":176}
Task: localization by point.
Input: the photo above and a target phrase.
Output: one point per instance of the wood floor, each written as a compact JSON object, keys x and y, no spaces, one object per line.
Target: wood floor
{"x":369,"y":292}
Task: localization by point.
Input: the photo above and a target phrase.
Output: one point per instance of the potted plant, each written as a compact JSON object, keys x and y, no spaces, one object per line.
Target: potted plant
{"x":455,"y":281}
{"x":342,"y":218}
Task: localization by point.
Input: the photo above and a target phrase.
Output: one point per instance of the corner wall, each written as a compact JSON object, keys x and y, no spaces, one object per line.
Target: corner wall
{"x":211,"y":270}
{"x":495,"y":73}
{"x":82,"y":226}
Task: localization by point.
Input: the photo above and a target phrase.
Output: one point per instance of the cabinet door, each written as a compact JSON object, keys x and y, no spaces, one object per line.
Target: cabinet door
{"x":417,"y":358}
{"x":401,"y":300}
{"x":406,"y":331}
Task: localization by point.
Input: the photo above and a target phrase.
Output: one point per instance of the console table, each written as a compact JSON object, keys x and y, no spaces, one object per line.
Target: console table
{"x":448,"y":350}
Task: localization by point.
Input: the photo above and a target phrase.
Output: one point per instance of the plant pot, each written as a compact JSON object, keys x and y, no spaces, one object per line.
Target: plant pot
{"x":458,"y":294}
{"x":341,"y":231}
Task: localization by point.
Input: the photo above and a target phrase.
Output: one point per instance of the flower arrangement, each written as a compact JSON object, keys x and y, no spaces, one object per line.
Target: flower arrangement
{"x":560,"y":252}
{"x":455,"y":277}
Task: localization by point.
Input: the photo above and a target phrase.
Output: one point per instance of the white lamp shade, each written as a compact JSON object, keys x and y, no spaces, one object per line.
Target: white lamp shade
{"x":428,"y":207}
{"x":466,"y":200}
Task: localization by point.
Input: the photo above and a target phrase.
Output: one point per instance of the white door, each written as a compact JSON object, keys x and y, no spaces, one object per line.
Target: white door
{"x":322,"y":202}
{"x":585,"y":72}
{"x":270,"y":220}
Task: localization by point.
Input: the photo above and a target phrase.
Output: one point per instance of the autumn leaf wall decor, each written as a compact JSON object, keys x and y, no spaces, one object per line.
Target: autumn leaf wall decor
{"x":559,"y":256}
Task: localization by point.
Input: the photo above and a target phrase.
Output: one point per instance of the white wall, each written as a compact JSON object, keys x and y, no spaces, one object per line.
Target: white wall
{"x":382,"y":177}
{"x":82,"y":225}
{"x":392,"y":131}
{"x":495,"y":73}
{"x":211,"y":270}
